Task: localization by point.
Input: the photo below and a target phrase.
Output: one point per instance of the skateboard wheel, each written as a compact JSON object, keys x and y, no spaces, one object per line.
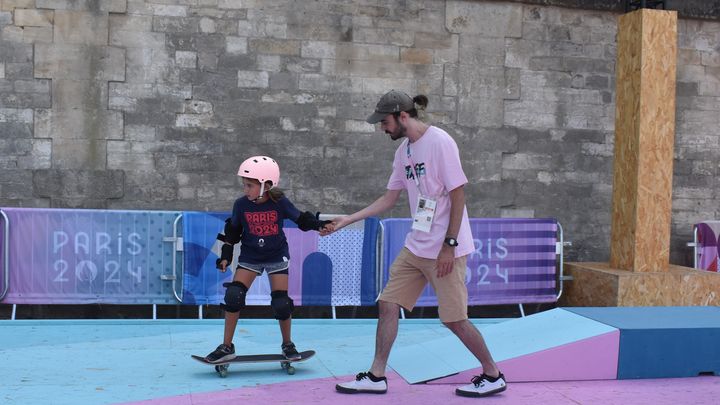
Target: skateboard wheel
{"x":290,"y":370}
{"x":222,"y":370}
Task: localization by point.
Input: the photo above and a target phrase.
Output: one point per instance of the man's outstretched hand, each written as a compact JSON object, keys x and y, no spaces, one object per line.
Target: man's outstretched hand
{"x":335,"y":224}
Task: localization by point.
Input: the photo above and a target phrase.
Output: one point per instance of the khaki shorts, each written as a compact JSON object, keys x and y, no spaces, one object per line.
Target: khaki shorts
{"x":409,"y":274}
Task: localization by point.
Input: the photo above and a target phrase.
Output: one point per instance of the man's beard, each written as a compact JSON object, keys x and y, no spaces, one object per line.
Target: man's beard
{"x":400,"y":132}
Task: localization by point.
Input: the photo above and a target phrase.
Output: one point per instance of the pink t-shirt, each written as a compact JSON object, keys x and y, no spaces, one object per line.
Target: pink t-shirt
{"x":436,"y":161}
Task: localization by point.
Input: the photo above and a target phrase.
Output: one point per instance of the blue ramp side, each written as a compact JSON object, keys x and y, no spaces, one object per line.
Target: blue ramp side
{"x":506,"y":340}
{"x":661,"y":342}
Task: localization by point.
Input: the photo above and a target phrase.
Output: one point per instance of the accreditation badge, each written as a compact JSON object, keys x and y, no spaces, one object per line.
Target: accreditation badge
{"x":424,"y":214}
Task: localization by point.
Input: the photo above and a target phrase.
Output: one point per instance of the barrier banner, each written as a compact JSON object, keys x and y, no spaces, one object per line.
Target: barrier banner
{"x":73,"y":256}
{"x":203,"y":282}
{"x":708,"y":249}
{"x":338,"y":269}
{"x":347,"y":274}
{"x":514,"y":260}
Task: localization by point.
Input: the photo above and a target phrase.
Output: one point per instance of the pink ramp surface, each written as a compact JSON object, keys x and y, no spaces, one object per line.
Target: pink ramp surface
{"x":695,"y":390}
{"x":594,"y":358}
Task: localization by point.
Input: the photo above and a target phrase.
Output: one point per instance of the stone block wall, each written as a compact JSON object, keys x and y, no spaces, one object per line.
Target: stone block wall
{"x":152,"y":104}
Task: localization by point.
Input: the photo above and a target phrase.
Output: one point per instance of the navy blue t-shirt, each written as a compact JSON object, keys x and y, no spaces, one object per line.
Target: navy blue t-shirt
{"x":263,"y":239}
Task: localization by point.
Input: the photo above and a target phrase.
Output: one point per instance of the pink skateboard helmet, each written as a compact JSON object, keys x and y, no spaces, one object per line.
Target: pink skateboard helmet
{"x":262,"y":169}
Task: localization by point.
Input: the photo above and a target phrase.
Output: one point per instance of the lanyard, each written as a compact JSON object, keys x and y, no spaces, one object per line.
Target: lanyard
{"x":416,"y":175}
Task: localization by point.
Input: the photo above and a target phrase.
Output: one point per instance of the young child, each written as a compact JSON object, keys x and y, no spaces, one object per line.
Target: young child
{"x":257,"y":222}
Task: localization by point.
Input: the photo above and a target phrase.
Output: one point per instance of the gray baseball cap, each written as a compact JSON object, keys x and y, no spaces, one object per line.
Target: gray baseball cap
{"x":392,"y":102}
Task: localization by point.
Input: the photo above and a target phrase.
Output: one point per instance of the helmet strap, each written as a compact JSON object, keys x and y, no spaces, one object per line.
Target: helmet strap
{"x":262,"y":192}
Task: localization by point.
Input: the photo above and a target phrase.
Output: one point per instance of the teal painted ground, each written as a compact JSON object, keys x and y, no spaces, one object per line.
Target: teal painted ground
{"x":103,"y":362}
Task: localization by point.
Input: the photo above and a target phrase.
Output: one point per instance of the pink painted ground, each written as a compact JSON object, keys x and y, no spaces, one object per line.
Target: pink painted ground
{"x":563,"y":363}
{"x":676,"y":391}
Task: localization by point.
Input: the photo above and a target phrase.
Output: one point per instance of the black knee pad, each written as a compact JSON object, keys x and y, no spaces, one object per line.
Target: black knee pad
{"x":234,"y":296}
{"x":281,"y":304}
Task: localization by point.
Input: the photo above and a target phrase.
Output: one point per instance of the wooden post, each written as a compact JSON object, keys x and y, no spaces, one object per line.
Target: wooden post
{"x":644,"y":141}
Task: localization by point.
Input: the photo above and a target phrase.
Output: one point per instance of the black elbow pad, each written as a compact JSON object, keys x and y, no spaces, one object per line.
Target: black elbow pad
{"x":232,"y":233}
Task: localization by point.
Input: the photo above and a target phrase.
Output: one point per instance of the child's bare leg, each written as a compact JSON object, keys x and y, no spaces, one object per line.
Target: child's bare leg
{"x":246,"y":277}
{"x":279,"y":282}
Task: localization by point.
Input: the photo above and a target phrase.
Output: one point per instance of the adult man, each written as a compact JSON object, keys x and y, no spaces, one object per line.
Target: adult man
{"x":427,"y":165}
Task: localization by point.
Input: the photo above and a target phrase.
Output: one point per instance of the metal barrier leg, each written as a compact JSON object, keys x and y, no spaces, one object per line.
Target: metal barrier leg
{"x":6,"y":255}
{"x":560,"y":251}
{"x":14,"y":310}
{"x":200,"y":312}
{"x":522,"y":311}
{"x":154,"y":312}
{"x":177,"y":247}
{"x":333,"y":312}
{"x":695,"y":248}
{"x":402,"y":313}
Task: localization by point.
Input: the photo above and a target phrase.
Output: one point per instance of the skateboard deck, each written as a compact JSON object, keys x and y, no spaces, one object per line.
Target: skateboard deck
{"x":285,"y":364}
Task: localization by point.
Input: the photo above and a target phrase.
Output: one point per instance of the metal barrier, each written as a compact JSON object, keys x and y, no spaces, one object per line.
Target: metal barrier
{"x":515,"y":261}
{"x":105,"y":256}
{"x":706,"y":249}
{"x":64,"y":256}
{"x":337,"y":270}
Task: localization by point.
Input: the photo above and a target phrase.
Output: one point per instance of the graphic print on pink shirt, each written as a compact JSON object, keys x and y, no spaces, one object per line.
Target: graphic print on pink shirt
{"x":419,"y":169}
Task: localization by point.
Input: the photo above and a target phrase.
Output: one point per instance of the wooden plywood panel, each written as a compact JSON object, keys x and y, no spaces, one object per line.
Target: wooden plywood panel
{"x":644,"y":138}
{"x":657,"y":138}
{"x":627,"y":109}
{"x":598,"y":284}
{"x":679,"y":286}
{"x":592,"y":285}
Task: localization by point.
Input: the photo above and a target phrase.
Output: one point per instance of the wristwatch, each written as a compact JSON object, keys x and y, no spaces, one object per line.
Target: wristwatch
{"x":451,"y":242}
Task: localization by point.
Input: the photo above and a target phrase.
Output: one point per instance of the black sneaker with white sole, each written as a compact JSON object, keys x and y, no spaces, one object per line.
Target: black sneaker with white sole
{"x":482,"y":386}
{"x":290,"y":352}
{"x":221,"y":354}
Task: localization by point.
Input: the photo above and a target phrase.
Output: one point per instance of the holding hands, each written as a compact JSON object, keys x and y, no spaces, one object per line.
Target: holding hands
{"x":334,"y":225}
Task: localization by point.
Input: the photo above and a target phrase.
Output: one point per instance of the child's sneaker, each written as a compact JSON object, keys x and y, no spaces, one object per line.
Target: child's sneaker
{"x":364,"y":382}
{"x":221,"y":354}
{"x":290,"y":352}
{"x":482,"y":385}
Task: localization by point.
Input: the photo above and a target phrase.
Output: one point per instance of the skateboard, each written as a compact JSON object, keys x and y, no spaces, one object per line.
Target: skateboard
{"x":285,"y":364}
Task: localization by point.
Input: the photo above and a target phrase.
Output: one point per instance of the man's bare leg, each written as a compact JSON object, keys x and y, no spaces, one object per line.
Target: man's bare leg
{"x":387,"y":330}
{"x":473,"y":340}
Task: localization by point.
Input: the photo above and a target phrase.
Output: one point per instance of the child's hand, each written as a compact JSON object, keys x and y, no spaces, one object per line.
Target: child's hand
{"x":226,"y":254}
{"x":326,"y":229}
{"x":221,"y":264}
{"x":325,"y":226}
{"x":333,"y":226}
